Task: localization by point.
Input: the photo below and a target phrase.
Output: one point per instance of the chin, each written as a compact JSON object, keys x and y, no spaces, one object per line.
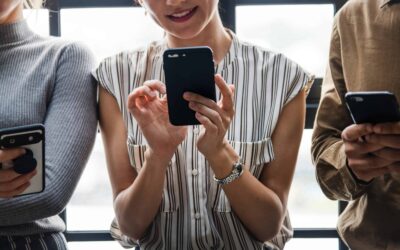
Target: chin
{"x":185,"y":34}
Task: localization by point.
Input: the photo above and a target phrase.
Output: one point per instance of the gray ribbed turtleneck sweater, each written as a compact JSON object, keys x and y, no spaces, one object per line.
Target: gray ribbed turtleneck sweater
{"x":46,"y":80}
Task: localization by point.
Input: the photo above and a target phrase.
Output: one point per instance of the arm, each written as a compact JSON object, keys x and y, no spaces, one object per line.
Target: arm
{"x":336,"y":148}
{"x":268,"y":196}
{"x":260,"y":204}
{"x":137,"y":196}
{"x":70,"y":124}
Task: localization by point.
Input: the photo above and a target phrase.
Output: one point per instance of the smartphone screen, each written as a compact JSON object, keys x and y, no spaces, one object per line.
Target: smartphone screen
{"x":30,"y":137}
{"x":187,"y":69}
{"x":373,"y":107}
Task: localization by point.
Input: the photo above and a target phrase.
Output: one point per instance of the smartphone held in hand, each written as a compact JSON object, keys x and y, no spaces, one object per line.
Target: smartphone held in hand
{"x":31,"y":138}
{"x":373,"y":107}
{"x":189,"y":69}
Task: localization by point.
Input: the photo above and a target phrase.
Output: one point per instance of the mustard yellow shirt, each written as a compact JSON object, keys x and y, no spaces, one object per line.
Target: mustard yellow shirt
{"x":364,"y":56}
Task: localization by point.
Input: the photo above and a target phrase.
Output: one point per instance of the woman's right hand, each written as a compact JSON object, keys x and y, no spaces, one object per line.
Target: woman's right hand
{"x":12,"y":183}
{"x":151,"y":113}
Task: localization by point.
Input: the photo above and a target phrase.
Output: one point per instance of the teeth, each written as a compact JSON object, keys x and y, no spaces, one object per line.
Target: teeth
{"x":181,"y":14}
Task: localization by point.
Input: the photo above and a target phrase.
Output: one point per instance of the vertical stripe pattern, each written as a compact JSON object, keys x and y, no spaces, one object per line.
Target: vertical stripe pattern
{"x":195,"y":213}
{"x":46,"y":241}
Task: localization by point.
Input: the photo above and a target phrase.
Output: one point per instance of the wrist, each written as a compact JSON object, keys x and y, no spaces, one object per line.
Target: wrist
{"x":237,"y":171}
{"x":222,"y":160}
{"x":355,"y":177}
{"x":160,"y":159}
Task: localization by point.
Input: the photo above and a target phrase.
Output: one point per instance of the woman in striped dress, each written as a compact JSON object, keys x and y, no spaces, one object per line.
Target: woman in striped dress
{"x":165,"y":178}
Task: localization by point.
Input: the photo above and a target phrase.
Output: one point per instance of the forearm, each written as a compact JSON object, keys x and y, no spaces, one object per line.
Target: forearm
{"x":257,"y":206}
{"x":333,"y":175}
{"x":137,"y":206}
{"x":328,"y":151}
{"x":67,"y":149}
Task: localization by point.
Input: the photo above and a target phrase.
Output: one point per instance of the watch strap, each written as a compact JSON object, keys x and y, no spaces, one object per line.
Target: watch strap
{"x":237,"y":171}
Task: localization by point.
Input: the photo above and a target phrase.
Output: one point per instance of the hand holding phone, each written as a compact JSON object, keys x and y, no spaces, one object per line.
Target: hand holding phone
{"x":189,"y":69}
{"x":364,"y":144}
{"x":22,"y":165}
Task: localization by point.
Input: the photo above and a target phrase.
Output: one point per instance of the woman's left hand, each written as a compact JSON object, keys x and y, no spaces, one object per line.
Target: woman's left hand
{"x":215,"y":117}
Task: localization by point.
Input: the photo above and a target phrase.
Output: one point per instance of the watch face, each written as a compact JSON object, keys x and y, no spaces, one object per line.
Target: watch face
{"x":237,"y":171}
{"x":239,"y":167}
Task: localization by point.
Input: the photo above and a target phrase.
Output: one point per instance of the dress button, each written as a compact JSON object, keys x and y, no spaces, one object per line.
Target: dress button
{"x":197,"y":216}
{"x":195,"y":172}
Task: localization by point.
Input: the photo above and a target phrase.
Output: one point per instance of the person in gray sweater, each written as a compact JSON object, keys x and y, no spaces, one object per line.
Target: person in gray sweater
{"x":48,"y":81}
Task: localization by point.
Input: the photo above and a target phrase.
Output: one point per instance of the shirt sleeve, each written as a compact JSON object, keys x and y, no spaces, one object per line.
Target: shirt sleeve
{"x":70,"y":125}
{"x":103,"y":75}
{"x":297,"y":79}
{"x":117,"y":75}
{"x":332,"y":118}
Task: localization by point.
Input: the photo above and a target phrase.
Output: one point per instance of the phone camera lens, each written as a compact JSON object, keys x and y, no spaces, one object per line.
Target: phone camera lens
{"x":12,"y":141}
{"x":358,"y":99}
{"x":30,"y":138}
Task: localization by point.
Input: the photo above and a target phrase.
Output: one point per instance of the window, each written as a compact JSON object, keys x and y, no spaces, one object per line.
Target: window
{"x":291,"y":30}
{"x":38,"y":20}
{"x":108,"y":31}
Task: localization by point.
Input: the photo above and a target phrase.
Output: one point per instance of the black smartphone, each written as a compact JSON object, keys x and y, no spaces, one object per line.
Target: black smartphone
{"x":31,"y":138}
{"x":373,"y":107}
{"x":187,"y":69}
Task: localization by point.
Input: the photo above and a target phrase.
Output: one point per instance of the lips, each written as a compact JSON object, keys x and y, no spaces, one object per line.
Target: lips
{"x":182,"y":16}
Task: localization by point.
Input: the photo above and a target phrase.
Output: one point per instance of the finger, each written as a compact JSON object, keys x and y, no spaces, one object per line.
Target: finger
{"x":227,"y":92}
{"x":392,"y":141}
{"x":387,"y":128}
{"x":208,"y":125}
{"x":212,"y":115}
{"x":140,"y":96}
{"x":356,"y":149}
{"x":15,"y":192}
{"x":8,"y":175}
{"x":388,"y":153}
{"x":196,"y":98}
{"x":17,"y":182}
{"x":156,"y":85}
{"x":367,"y":162}
{"x":11,"y":154}
{"x":356,"y":131}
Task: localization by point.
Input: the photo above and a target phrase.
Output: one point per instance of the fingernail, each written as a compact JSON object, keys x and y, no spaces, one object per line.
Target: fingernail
{"x":376,"y":128}
{"x":186,"y":95}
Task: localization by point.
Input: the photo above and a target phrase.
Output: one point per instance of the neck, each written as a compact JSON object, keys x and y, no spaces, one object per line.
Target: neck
{"x":13,"y":33}
{"x":213,"y":35}
{"x":14,"y":16}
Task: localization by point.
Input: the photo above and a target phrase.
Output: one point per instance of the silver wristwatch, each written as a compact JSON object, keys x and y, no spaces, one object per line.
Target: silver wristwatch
{"x":237,"y":171}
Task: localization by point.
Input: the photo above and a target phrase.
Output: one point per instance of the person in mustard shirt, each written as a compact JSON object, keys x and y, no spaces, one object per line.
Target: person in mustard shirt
{"x":364,"y":56}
